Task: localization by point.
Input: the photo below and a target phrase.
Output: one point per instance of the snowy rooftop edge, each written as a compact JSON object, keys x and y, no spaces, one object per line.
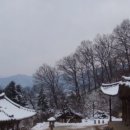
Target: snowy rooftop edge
{"x":2,"y":94}
{"x":126,"y":78}
{"x":110,"y":84}
{"x":51,"y":119}
{"x":10,"y":110}
{"x":113,"y":88}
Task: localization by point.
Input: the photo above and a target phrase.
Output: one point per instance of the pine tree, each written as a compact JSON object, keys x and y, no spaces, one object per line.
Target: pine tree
{"x":15,"y":93}
{"x":10,"y":91}
{"x":42,"y":101}
{"x":20,"y":95}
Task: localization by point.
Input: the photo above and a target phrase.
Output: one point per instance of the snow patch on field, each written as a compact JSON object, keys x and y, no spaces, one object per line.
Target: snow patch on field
{"x":85,"y":123}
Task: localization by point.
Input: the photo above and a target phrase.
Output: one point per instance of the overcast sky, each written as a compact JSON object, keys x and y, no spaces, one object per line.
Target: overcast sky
{"x":33,"y":32}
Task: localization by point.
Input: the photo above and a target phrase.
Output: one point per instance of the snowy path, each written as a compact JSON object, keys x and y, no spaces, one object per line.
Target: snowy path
{"x":65,"y":126}
{"x":68,"y":128}
{"x":85,"y":125}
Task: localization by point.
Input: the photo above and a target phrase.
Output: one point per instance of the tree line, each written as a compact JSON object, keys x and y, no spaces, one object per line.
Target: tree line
{"x":71,"y":82}
{"x":104,"y":59}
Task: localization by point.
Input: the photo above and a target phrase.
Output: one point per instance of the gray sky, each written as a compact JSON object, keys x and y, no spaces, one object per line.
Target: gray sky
{"x":33,"y":32}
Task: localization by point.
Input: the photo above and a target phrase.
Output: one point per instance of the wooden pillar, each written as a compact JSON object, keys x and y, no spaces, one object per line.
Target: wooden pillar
{"x":3,"y":128}
{"x":128,"y":112}
{"x":7,"y":127}
{"x":93,"y":109}
{"x":17,"y":125}
{"x":110,"y":109}
{"x":123,"y":111}
{"x":13,"y":125}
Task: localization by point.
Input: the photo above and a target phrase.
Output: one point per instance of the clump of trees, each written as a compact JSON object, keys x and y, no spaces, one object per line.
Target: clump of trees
{"x":15,"y":93}
{"x":48,"y":79}
{"x":105,"y":59}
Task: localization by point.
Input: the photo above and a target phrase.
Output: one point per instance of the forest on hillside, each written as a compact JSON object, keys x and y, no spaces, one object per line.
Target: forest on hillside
{"x":74,"y":82}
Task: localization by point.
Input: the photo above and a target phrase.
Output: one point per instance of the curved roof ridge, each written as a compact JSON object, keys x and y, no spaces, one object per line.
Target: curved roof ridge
{"x":2,"y":95}
{"x":110,"y":89}
{"x":10,"y":110}
{"x":17,"y":105}
{"x":127,"y":78}
{"x":110,"y":84}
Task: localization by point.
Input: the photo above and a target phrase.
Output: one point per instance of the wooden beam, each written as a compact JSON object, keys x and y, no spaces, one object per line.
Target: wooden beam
{"x":110,"y":109}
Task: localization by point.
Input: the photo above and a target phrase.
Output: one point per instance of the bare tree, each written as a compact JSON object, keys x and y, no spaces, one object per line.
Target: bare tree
{"x":69,"y":67}
{"x":87,"y":58}
{"x":122,"y":39}
{"x":105,"y":55}
{"x":49,"y":78}
{"x":85,"y":68}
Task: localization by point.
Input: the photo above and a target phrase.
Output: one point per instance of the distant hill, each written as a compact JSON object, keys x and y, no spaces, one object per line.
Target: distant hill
{"x":23,"y":80}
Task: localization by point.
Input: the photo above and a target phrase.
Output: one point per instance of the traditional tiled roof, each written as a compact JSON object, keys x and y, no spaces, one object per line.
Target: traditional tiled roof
{"x":113,"y":88}
{"x":10,"y":110}
{"x":51,"y":119}
{"x":125,"y":81}
{"x":68,"y":112}
{"x":110,"y":89}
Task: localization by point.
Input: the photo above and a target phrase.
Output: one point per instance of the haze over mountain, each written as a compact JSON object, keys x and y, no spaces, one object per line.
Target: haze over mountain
{"x":23,"y":80}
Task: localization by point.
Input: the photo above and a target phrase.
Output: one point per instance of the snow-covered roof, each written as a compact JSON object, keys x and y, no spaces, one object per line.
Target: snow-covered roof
{"x":125,"y":81}
{"x":9,"y":110}
{"x":69,"y":112}
{"x":113,"y":88}
{"x":98,"y":114}
{"x":126,"y":78}
{"x":51,"y":119}
{"x":110,"y":89}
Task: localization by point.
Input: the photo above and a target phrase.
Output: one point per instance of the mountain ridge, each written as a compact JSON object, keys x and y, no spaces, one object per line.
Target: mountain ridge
{"x":19,"y":79}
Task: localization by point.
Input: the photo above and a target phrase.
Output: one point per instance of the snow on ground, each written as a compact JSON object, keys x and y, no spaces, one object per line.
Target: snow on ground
{"x":85,"y":123}
{"x":44,"y":125}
